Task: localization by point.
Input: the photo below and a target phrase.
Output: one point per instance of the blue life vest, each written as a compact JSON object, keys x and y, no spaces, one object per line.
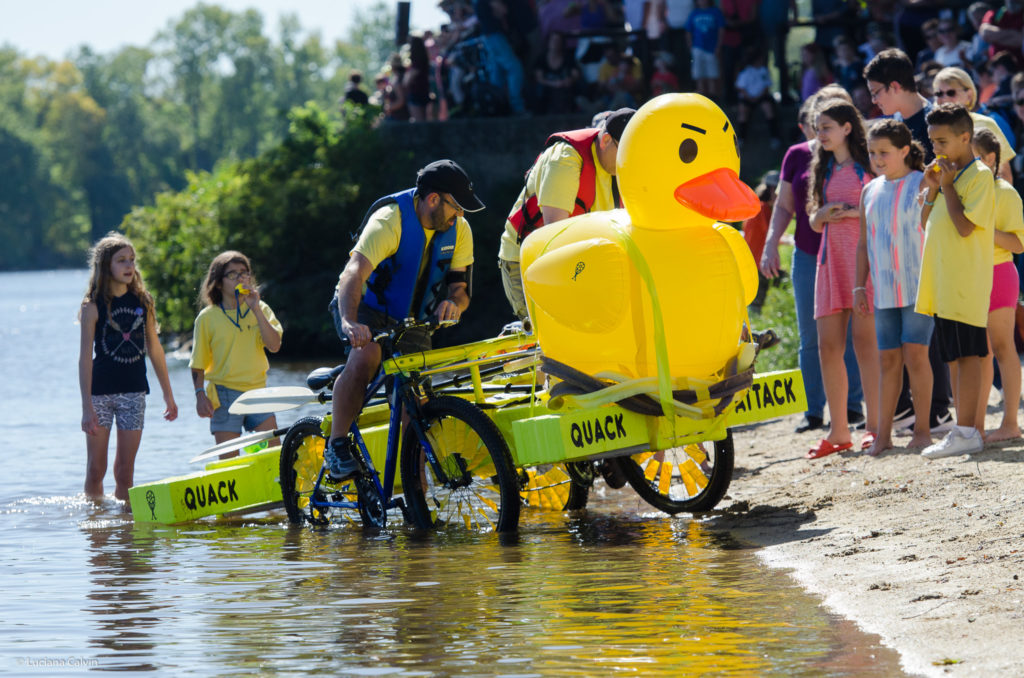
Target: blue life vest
{"x":393,"y":288}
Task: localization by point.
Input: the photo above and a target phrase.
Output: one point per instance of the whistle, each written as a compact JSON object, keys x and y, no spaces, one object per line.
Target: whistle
{"x":242,"y":290}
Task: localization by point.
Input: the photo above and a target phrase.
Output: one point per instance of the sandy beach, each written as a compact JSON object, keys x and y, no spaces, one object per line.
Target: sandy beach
{"x":927,"y":554}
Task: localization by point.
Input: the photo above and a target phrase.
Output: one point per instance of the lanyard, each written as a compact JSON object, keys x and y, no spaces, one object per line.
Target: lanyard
{"x":238,"y":314}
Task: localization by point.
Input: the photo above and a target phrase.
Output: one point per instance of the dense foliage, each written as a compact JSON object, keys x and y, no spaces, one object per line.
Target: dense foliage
{"x":85,"y":139}
{"x":292,"y":210}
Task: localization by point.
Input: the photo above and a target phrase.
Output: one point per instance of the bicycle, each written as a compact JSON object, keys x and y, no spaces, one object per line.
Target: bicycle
{"x":455,"y":465}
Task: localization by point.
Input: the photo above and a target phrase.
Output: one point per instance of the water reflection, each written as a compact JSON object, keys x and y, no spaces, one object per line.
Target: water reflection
{"x":126,"y":611}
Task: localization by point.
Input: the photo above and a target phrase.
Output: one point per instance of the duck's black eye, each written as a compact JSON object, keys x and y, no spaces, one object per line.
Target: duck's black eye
{"x":688,"y":151}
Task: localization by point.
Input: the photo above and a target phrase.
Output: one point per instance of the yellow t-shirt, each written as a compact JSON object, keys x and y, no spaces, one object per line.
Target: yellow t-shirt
{"x":956,"y":272}
{"x":555,"y":180}
{"x":1009,"y":217}
{"x":383,"y":231}
{"x":230,"y":356}
{"x":1006,"y":152}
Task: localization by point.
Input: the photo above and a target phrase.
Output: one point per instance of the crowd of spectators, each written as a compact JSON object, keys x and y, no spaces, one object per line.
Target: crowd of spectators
{"x":499,"y":57}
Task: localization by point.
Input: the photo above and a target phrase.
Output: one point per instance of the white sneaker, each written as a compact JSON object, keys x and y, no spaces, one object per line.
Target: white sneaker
{"x":956,"y":442}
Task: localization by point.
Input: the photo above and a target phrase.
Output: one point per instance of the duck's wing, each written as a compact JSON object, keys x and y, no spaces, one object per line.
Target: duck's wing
{"x":744,"y":260}
{"x":582,"y":285}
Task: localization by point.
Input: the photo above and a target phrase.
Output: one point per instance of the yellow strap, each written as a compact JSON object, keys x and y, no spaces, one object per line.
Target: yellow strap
{"x":660,"y":346}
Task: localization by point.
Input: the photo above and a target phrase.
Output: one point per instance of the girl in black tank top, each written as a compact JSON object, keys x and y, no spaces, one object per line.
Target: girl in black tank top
{"x":118,"y":330}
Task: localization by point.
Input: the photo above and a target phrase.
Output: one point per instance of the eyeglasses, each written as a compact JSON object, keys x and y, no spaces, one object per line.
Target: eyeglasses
{"x":454,"y":205}
{"x":948,"y":93}
{"x":876,"y":92}
{"x":235,"y":275}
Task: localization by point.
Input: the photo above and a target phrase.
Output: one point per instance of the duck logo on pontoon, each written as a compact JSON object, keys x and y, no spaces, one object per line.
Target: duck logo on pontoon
{"x":594,"y":431}
{"x":151,"y":500}
{"x":208,"y":495}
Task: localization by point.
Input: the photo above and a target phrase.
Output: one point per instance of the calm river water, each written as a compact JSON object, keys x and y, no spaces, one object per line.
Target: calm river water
{"x":618,"y":589}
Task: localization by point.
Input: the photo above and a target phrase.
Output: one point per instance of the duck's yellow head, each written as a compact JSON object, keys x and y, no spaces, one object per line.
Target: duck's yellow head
{"x":680,"y":151}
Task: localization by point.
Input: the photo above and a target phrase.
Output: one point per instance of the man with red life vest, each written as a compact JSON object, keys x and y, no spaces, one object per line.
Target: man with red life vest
{"x":412,"y":259}
{"x":575,"y":174}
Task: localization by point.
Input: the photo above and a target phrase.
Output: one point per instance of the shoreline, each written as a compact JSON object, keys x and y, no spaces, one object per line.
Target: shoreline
{"x":929,"y":555}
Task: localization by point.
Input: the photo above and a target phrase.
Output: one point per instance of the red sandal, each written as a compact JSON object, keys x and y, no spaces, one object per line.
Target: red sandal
{"x":826,"y":448}
{"x":867,"y":441}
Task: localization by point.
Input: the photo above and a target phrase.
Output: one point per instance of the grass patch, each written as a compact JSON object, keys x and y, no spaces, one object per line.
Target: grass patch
{"x":779,"y":314}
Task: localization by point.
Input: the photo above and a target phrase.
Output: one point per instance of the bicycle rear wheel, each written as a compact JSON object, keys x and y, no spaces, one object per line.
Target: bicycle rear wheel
{"x":692,"y":478}
{"x":477,"y":488}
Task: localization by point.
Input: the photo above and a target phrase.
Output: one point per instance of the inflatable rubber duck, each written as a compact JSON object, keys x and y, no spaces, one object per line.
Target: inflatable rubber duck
{"x":594,"y":282}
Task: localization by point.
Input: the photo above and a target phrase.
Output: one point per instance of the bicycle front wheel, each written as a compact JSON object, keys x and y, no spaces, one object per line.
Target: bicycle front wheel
{"x":692,"y":478}
{"x":302,"y":456}
{"x":477,"y":486}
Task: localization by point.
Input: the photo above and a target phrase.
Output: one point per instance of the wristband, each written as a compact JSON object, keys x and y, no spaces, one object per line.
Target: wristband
{"x":201,"y":389}
{"x":929,"y":204}
{"x":859,"y":289}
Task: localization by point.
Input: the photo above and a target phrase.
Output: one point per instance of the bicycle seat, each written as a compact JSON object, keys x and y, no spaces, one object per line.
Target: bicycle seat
{"x":321,"y":377}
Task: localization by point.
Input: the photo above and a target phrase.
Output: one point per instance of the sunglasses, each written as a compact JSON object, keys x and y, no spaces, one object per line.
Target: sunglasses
{"x":948,"y":93}
{"x":455,"y":206}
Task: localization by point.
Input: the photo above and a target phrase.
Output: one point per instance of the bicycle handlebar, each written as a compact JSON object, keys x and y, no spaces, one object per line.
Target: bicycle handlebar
{"x":408,"y":324}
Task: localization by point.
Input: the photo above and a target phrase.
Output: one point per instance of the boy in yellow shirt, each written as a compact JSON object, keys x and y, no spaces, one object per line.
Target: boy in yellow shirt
{"x":956,"y":268}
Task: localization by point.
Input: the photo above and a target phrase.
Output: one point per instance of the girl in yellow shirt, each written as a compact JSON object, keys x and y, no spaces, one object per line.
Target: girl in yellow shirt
{"x":232,"y":333}
{"x":1005,"y":293}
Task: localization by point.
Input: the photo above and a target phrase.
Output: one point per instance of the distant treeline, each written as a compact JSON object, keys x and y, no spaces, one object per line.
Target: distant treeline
{"x":85,"y":140}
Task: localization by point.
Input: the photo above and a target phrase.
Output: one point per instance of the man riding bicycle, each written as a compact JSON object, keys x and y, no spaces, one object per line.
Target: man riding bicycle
{"x":412,"y":259}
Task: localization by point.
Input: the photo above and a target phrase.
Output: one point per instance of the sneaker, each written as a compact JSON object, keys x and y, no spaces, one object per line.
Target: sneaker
{"x":339,"y":461}
{"x":855,"y":418}
{"x":944,"y":422}
{"x":904,"y":420}
{"x":810,"y":423}
{"x":958,"y":441}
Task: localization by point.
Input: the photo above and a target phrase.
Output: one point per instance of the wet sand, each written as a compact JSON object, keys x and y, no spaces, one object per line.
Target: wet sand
{"x":927,"y":554}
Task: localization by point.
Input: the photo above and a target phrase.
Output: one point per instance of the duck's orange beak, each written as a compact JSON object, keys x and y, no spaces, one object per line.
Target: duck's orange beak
{"x":719,"y":195}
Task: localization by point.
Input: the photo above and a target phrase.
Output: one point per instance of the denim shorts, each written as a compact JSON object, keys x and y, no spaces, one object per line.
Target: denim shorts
{"x":902,"y":325}
{"x":225,"y":421}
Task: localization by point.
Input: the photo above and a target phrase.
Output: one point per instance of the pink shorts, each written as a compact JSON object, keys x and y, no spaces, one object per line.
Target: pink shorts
{"x":1005,"y":286}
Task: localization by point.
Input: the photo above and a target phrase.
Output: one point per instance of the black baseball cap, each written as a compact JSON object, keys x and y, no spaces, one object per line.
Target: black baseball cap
{"x":445,"y":176}
{"x":616,"y":122}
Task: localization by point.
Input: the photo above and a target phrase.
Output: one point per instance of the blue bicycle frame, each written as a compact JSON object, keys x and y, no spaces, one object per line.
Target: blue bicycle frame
{"x":396,"y":400}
